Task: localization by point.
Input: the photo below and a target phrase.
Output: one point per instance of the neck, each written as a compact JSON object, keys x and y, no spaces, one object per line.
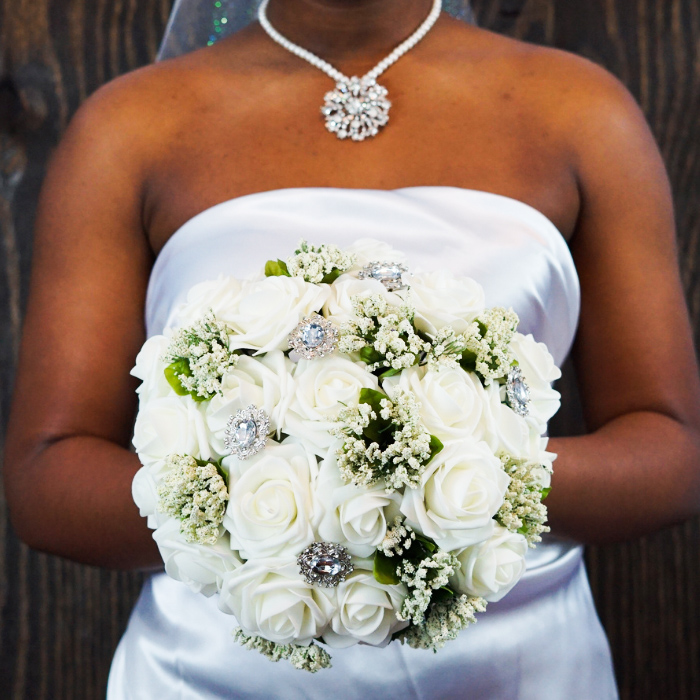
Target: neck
{"x":348,"y":30}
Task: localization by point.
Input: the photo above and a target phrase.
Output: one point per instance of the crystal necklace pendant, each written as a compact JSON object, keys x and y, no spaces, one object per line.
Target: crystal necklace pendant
{"x":358,"y":107}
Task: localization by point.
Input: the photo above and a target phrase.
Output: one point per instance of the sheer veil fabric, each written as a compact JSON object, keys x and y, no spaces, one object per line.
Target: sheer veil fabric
{"x":197,"y":23}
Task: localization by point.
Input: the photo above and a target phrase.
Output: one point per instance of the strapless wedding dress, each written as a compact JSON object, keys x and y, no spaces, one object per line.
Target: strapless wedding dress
{"x":544,"y":640}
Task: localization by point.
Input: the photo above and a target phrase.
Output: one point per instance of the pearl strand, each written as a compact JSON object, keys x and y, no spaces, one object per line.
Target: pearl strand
{"x":332,"y":72}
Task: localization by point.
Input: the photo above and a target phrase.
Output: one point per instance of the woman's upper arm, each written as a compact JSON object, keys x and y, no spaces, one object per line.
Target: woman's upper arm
{"x":84,"y":320}
{"x":634,"y":349}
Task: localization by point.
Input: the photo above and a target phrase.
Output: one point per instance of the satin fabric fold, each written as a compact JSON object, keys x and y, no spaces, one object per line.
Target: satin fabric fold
{"x":544,"y":640}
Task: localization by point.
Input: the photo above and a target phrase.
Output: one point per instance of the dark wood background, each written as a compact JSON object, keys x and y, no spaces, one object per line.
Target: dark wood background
{"x":60,"y":622}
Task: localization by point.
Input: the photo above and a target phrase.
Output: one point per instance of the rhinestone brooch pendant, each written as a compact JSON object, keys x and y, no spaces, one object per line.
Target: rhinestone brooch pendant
{"x":356,"y":109}
{"x":518,"y":392}
{"x":325,"y":564}
{"x":314,"y":337}
{"x":390,"y":274}
{"x":246,"y":432}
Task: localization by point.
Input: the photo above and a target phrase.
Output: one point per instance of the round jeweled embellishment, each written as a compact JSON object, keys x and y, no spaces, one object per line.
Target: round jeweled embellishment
{"x":517,"y":391}
{"x":325,"y":564}
{"x":357,"y":109}
{"x":390,"y":274}
{"x":246,"y":432}
{"x":314,"y":337}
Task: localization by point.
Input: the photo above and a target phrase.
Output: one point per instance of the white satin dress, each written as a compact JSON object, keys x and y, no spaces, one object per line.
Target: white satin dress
{"x":544,"y":641}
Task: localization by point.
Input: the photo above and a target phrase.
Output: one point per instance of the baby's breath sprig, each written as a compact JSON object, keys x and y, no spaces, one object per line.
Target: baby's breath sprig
{"x":445,"y":619}
{"x":407,"y":557}
{"x":486,"y":344}
{"x":198,"y":358}
{"x":318,"y":264}
{"x":384,"y":335}
{"x":194,"y":492}
{"x":522,"y":510}
{"x":310,"y":658}
{"x":384,"y":439}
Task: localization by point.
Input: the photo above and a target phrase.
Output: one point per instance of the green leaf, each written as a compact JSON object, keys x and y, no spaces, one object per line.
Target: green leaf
{"x":545,"y":492}
{"x":379,"y":430}
{"x":426,"y":542}
{"x":332,"y":276}
{"x":385,"y":569}
{"x":389,"y":373}
{"x":442,"y":595}
{"x":435,"y":446}
{"x":276,"y":268}
{"x":172,"y":374}
{"x":369,"y":355}
{"x":373,"y":397}
{"x":468,"y":361}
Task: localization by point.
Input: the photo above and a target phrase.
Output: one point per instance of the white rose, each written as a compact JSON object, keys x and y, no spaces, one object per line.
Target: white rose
{"x":269,"y":598}
{"x":539,"y":371}
{"x":352,"y":516}
{"x":170,"y":425}
{"x":264,"y":382}
{"x":267,"y":311}
{"x":150,"y":369}
{"x":507,"y":431}
{"x":271,"y":503}
{"x":491,"y":569}
{"x":368,"y":250}
{"x":219,"y":295}
{"x":200,"y":566}
{"x":365,"y":611}
{"x":144,"y":490}
{"x":453,"y":402}
{"x":442,"y":299}
{"x":461,"y":490}
{"x":323,"y":387}
{"x":338,"y":307}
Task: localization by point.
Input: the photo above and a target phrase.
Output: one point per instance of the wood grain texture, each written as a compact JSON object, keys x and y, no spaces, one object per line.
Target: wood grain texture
{"x":60,"y":622}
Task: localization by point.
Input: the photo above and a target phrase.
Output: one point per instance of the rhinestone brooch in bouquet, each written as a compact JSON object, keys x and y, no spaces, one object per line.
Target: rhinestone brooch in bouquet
{"x":344,"y":451}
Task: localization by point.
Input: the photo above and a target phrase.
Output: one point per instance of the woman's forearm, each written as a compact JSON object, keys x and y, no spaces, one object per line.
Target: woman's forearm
{"x":74,"y":500}
{"x":638,"y":473}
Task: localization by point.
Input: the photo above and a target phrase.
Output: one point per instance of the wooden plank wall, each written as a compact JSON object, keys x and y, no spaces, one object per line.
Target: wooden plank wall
{"x":60,"y":622}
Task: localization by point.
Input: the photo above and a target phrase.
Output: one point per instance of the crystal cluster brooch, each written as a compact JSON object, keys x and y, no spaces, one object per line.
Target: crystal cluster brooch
{"x":246,"y":432}
{"x":325,"y":564}
{"x":390,"y":274}
{"x":356,"y":109}
{"x":314,"y":337}
{"x":517,"y":391}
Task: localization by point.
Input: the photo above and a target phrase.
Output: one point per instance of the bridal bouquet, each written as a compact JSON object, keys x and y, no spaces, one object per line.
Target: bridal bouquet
{"x":344,"y":451}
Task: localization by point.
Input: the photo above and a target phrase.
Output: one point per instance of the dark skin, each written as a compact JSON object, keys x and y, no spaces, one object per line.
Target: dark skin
{"x":470,"y":109}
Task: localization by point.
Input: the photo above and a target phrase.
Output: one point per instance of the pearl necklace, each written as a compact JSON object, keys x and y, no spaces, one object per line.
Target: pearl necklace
{"x":358,"y":107}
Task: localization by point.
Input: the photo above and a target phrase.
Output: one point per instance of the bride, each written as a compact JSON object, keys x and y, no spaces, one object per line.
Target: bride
{"x":496,"y":156}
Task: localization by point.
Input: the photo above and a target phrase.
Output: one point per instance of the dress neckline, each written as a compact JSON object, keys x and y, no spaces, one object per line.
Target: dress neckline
{"x":247,"y":198}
